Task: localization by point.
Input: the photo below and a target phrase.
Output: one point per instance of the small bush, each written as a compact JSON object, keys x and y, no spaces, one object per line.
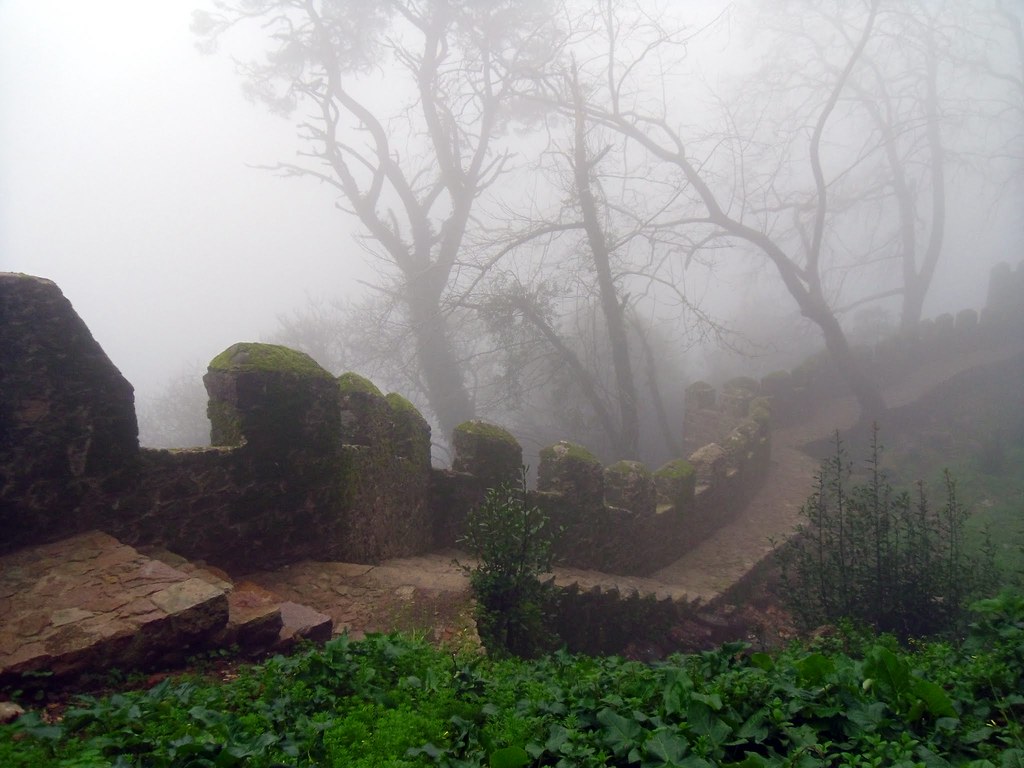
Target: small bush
{"x":512,"y":542}
{"x":880,"y":556}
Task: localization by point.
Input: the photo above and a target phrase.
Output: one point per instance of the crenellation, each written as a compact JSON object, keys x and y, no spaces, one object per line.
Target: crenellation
{"x":309,"y":466}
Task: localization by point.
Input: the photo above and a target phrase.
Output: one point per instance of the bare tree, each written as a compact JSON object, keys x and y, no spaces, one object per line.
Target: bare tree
{"x":727,"y":210}
{"x":606,"y":249}
{"x":414,"y":173}
{"x":897,"y":88}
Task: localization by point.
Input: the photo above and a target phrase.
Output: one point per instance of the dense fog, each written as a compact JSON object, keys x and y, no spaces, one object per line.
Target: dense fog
{"x":553,"y":216}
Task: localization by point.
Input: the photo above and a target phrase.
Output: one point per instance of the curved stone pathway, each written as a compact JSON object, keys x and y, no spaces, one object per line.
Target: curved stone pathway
{"x":429,"y":591}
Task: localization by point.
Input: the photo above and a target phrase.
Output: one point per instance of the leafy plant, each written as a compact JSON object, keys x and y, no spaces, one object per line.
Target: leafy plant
{"x":512,"y":541}
{"x":880,"y":556}
{"x":394,"y":701}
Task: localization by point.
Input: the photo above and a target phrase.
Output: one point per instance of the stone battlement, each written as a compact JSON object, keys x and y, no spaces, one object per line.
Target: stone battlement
{"x":305,"y":465}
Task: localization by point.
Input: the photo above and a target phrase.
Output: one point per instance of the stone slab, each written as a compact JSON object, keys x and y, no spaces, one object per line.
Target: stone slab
{"x":89,"y":602}
{"x":303,"y":622}
{"x":254,"y":619}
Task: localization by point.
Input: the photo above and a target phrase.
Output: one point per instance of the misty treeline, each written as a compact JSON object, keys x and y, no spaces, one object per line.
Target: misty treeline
{"x":550,"y":191}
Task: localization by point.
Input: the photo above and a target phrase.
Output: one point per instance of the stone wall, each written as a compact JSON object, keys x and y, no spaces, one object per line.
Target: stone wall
{"x":627,"y":519}
{"x":306,"y":465}
{"x":816,"y":380}
{"x":303,"y":465}
{"x":67,"y":417}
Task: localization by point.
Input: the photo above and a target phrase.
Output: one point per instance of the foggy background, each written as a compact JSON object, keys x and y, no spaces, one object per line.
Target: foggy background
{"x":126,"y":177}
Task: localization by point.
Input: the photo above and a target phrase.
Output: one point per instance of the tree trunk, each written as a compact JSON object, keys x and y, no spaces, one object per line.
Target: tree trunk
{"x":868,"y":394}
{"x":442,"y":373}
{"x":916,"y":290}
{"x":628,"y":445}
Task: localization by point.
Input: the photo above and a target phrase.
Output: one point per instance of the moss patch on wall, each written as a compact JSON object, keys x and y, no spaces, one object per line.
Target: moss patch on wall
{"x":252,"y":356}
{"x":353,"y":382}
{"x":568,"y":451}
{"x":742,"y":382}
{"x":761,"y":411}
{"x":478,"y":428}
{"x":401,"y":406}
{"x":225,"y":425}
{"x":678,"y":469}
{"x":676,"y":482}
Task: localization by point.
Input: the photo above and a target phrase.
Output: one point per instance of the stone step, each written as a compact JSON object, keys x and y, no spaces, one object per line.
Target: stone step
{"x":300,"y":622}
{"x":255,"y":620}
{"x":89,"y":603}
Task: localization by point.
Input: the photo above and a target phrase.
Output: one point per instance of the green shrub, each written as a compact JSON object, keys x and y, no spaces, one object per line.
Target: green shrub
{"x":512,"y":542}
{"x":880,"y":556}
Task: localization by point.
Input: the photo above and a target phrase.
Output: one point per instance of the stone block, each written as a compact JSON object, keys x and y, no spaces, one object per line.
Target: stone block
{"x":67,"y":415}
{"x":489,"y":453}
{"x":574,"y":472}
{"x":364,"y":411}
{"x":254,"y":619}
{"x":273,"y":399}
{"x":675,"y":482}
{"x":630,"y":485}
{"x":88,"y":603}
{"x":300,"y":622}
{"x":411,"y":432}
{"x":744,"y":383}
{"x":710,"y":463}
{"x":700,"y":395}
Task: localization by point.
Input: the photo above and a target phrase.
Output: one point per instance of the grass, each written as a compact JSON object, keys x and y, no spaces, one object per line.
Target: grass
{"x":393,"y":701}
{"x":989,"y":476}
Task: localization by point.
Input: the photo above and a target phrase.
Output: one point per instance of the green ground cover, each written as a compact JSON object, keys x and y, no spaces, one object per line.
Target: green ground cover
{"x":989,"y":474}
{"x":394,"y":701}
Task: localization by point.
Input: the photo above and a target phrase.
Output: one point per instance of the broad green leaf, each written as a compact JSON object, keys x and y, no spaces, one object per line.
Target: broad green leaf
{"x":869,"y":717}
{"x":676,"y":693}
{"x":815,"y":669}
{"x":977,"y":735}
{"x":509,"y":757}
{"x":558,"y":735}
{"x":754,"y":728}
{"x":754,"y":760}
{"x":713,"y":700}
{"x":621,"y":734}
{"x":704,"y":722}
{"x":667,"y":746}
{"x":934,"y":697}
{"x":891,"y":672}
{"x":930,"y":759}
{"x":762,"y":661}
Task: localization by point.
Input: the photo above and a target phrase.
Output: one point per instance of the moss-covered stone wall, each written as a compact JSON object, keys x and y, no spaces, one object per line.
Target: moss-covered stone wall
{"x":309,"y":466}
{"x":303,"y":465}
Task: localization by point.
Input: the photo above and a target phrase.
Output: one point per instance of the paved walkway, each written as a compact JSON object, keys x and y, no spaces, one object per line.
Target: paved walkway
{"x":375,"y":598}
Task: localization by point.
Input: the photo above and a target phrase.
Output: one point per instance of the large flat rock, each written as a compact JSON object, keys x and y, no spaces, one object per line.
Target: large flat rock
{"x":90,"y":602}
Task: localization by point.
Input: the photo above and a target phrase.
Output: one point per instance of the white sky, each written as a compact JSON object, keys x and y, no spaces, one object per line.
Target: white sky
{"x":123,"y":178}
